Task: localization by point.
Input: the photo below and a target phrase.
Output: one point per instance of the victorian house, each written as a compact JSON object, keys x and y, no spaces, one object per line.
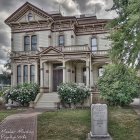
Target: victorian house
{"x":48,"y":49}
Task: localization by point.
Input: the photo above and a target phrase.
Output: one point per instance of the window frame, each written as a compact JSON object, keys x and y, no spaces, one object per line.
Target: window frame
{"x":25,"y":74}
{"x":18,"y":74}
{"x":59,"y":40}
{"x":30,"y":48}
{"x":32,"y":76}
{"x":94,"y":46}
{"x":33,"y":43}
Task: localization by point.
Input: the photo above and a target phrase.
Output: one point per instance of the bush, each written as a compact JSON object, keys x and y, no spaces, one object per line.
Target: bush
{"x":119,"y":85}
{"x":22,"y":94}
{"x":72,"y":93}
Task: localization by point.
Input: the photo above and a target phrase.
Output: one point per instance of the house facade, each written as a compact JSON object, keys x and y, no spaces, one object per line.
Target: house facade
{"x":48,"y":48}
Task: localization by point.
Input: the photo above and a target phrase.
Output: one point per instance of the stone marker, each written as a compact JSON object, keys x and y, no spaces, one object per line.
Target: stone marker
{"x":99,"y":123}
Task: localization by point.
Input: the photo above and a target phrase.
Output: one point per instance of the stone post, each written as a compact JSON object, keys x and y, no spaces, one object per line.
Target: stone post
{"x":99,"y":123}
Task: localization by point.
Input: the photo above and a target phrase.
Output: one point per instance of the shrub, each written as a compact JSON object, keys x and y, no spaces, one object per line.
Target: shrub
{"x":23,"y":94}
{"x":119,"y":84}
{"x":72,"y":93}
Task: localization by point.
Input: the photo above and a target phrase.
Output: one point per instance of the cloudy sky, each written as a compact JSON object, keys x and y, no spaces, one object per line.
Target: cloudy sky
{"x":67,"y":7}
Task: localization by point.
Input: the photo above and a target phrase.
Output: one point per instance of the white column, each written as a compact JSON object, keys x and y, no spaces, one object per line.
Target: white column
{"x":64,"y":71}
{"x":41,"y":75}
{"x":50,"y":77}
{"x":91,"y":77}
{"x":87,"y":73}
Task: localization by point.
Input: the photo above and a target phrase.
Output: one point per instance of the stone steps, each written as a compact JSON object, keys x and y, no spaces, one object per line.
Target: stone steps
{"x":48,"y":101}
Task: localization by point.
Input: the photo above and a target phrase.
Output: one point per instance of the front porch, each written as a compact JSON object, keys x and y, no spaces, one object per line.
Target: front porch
{"x":53,"y":73}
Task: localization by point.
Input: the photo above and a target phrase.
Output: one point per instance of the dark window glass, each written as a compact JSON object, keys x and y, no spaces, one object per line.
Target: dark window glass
{"x":18,"y":74}
{"x":34,"y":43}
{"x":84,"y":75}
{"x":94,"y":44}
{"x":32,"y":73}
{"x":25,"y":73}
{"x":26,"y":43}
{"x":30,"y":17}
{"x":61,"y":40}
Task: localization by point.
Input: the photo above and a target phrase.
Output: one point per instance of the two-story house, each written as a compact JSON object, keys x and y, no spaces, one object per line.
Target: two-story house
{"x":48,"y":48}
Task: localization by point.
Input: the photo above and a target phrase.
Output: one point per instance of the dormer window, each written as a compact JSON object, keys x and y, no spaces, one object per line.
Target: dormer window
{"x":30,"y":17}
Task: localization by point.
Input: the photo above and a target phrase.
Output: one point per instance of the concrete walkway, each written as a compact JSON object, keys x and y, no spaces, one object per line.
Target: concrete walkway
{"x":21,"y":126}
{"x":136,"y":105}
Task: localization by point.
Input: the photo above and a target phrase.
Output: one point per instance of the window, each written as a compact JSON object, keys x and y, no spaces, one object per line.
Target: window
{"x":18,"y":74}
{"x":32,"y":73}
{"x":30,"y":43}
{"x":25,"y":74}
{"x":84,"y":75}
{"x":61,"y":40}
{"x":26,"y":43}
{"x":30,"y":17}
{"x":100,"y":71}
{"x":94,"y":44}
{"x":34,"y":43}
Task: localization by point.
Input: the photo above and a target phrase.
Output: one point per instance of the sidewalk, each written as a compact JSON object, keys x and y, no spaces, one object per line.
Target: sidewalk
{"x":21,"y":126}
{"x":136,"y":105}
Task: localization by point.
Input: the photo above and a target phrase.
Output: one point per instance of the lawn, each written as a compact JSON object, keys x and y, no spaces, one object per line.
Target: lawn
{"x":75,"y":124}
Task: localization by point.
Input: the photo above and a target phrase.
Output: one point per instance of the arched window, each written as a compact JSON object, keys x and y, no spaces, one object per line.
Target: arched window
{"x":94,"y":44}
{"x":30,"y":17}
{"x":26,"y":43}
{"x":25,"y":73}
{"x":33,"y":43}
{"x":32,"y":73}
{"x":18,"y":74}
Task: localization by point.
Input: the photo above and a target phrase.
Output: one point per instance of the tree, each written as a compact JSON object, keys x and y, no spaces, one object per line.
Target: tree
{"x":119,"y":84}
{"x":125,"y":35}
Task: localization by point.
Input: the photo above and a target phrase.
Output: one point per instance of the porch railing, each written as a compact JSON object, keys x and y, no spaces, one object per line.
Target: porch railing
{"x":100,"y":52}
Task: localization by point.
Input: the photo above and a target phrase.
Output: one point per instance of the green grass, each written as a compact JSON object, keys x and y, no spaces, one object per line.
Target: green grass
{"x":75,"y":124}
{"x":5,"y":113}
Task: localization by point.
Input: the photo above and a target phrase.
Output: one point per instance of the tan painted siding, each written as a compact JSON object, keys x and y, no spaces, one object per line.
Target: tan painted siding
{"x":103,"y":42}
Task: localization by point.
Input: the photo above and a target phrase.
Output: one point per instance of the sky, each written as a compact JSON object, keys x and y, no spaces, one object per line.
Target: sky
{"x":67,"y":7}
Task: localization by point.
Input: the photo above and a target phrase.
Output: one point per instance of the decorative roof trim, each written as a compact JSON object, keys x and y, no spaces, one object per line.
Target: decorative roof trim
{"x":23,"y":9}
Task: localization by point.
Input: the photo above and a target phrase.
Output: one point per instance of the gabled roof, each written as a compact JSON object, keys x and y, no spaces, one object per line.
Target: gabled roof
{"x":23,"y":9}
{"x":49,"y":49}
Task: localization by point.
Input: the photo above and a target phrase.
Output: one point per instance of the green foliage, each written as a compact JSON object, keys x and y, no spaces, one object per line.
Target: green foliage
{"x":125,"y":35}
{"x":72,"y":93}
{"x":119,"y":85}
{"x":23,"y":94}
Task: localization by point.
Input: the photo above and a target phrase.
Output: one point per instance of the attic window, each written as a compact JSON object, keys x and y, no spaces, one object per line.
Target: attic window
{"x":30,"y":17}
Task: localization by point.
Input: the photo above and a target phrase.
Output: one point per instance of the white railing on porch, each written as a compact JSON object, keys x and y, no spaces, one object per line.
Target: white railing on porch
{"x":100,"y":52}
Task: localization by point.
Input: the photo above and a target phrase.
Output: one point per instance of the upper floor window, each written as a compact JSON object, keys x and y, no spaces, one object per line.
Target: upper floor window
{"x":25,"y":73}
{"x":34,"y":43}
{"x":30,"y":17}
{"x":94,"y":44}
{"x":32,"y":73}
{"x":61,"y":40}
{"x":30,"y":43}
{"x":26,"y":43}
{"x":18,"y":74}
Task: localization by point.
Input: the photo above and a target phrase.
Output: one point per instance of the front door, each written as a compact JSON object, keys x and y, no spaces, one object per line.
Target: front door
{"x":57,"y":76}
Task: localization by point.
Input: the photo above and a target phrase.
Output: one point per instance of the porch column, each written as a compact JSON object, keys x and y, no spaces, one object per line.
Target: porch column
{"x":50,"y":77}
{"x":64,"y":71}
{"x":41,"y":76}
{"x":95,"y":74}
{"x":91,"y":77}
{"x":87,"y":73}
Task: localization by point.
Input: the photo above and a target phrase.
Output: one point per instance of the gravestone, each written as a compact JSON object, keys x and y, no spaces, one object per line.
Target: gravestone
{"x":99,"y":123}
